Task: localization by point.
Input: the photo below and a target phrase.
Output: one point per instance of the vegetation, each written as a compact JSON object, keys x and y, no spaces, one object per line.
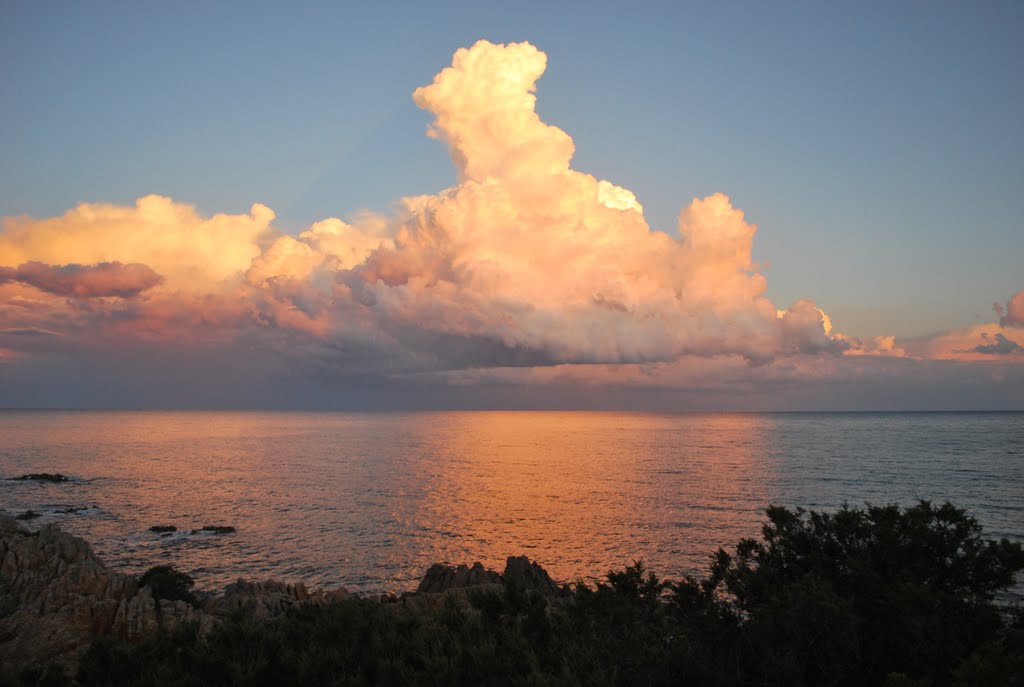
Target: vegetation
{"x":876,"y":596}
{"x":168,"y":583}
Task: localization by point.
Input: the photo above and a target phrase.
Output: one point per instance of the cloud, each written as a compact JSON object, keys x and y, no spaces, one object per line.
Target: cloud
{"x":1002,"y":346}
{"x":1013,"y":314}
{"x":484,"y":108}
{"x":527,"y":271}
{"x":978,"y":343}
{"x":878,"y":346}
{"x":192,"y":253}
{"x":528,"y":255}
{"x":525,"y":262}
{"x":85,"y":281}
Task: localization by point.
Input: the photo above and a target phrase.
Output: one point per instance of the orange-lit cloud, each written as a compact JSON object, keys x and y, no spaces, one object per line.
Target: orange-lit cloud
{"x":84,"y":281}
{"x":1012,"y":315}
{"x":192,"y":253}
{"x":525,"y":271}
{"x":984,"y":342}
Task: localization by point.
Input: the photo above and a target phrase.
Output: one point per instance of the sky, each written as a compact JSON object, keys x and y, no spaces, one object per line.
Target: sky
{"x":787,"y":206}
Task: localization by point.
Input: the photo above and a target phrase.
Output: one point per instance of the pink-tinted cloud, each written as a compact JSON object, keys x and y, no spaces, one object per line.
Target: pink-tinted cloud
{"x":1012,"y":315}
{"x":979,"y":343}
{"x":86,"y":281}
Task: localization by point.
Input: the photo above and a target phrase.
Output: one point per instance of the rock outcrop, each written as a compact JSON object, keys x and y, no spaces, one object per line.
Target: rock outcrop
{"x":440,"y":578}
{"x":527,"y":574}
{"x":519,"y":571}
{"x":264,"y":600}
{"x":56,"y":596}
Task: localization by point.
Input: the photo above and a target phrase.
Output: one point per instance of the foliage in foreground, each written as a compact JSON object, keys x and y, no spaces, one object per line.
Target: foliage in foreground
{"x":874,"y":596}
{"x":168,"y":583}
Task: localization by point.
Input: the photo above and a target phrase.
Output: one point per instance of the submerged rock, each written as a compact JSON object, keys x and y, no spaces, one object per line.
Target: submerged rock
{"x":28,"y":515}
{"x":73,"y":509}
{"x":213,"y":529}
{"x":41,"y":477}
{"x":163,"y":528}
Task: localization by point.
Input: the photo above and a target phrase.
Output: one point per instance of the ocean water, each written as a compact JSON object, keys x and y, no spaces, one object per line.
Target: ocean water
{"x":370,"y":500}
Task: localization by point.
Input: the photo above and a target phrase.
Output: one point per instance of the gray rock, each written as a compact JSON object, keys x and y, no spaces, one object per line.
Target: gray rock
{"x":41,"y":477}
{"x":441,"y":578}
{"x":214,"y":529}
{"x":56,"y":597}
{"x":527,"y":574}
{"x":519,"y":570}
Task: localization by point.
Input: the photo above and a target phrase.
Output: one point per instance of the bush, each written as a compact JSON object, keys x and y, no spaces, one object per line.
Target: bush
{"x":846,"y":598}
{"x":168,"y":583}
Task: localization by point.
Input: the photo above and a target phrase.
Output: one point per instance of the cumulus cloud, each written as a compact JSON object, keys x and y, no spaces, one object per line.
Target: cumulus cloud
{"x":1012,"y":315}
{"x":526,"y":269}
{"x":528,"y":255}
{"x":192,"y":253}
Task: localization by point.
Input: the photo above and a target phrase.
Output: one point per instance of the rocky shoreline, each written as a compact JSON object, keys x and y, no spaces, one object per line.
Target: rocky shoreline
{"x":57,"y":596}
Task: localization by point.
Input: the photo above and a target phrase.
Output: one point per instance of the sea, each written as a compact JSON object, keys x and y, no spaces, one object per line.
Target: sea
{"x":369,"y":501}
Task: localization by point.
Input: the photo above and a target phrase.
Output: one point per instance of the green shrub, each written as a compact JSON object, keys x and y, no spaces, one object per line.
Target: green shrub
{"x":849,"y":597}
